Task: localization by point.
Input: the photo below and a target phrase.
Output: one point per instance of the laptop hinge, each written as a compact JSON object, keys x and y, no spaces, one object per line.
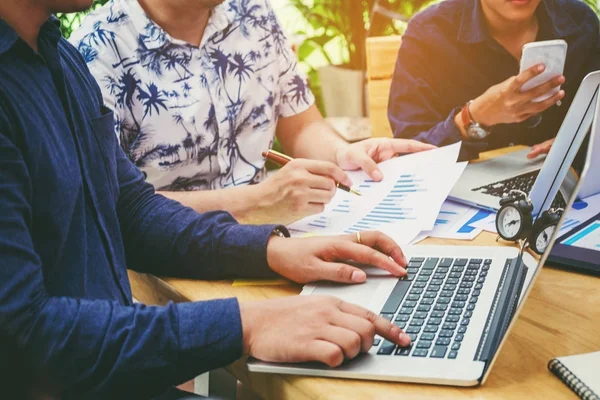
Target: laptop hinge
{"x":503,"y":308}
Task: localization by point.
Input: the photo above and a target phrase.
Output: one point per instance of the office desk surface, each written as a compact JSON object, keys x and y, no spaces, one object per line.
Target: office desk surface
{"x":561,"y":317}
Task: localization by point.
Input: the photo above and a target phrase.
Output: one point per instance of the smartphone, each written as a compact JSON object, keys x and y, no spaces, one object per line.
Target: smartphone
{"x":551,"y":53}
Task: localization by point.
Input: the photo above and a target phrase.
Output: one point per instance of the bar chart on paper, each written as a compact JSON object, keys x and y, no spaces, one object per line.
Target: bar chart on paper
{"x":588,"y":238}
{"x":393,"y":207}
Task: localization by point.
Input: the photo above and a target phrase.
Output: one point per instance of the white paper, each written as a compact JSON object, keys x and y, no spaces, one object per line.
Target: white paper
{"x":412,"y":192}
{"x":456,"y":221}
{"x":487,"y":224}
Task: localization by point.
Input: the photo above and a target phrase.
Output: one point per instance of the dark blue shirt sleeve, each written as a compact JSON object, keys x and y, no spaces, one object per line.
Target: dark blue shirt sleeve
{"x":165,"y":238}
{"x":99,"y":346}
{"x":415,"y":106}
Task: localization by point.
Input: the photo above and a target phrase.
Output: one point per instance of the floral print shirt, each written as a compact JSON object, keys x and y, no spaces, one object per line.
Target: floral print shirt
{"x":190,"y":117}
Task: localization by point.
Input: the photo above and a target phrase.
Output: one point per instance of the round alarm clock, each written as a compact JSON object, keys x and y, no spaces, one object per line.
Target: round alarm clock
{"x":543,"y":229}
{"x":514,"y":219}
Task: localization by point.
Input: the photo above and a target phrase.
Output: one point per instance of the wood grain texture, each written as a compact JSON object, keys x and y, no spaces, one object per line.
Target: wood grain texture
{"x":561,"y":317}
{"x":381,"y":60}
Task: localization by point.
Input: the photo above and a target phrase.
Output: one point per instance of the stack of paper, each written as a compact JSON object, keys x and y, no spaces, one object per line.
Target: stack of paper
{"x":404,"y":203}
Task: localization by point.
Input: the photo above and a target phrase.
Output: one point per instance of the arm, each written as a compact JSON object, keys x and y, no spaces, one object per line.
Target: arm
{"x":165,"y":238}
{"x":298,"y":134}
{"x":245,"y":203}
{"x":97,"y":346}
{"x":414,"y":110}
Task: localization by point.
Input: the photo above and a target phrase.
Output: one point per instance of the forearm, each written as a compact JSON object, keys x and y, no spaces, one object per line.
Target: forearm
{"x":165,"y":238}
{"x":318,"y":141}
{"x":308,"y":135}
{"x":239,"y":201}
{"x":98,"y":348}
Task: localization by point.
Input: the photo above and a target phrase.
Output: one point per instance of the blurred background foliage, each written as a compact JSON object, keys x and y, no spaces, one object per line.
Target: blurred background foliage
{"x":327,"y":31}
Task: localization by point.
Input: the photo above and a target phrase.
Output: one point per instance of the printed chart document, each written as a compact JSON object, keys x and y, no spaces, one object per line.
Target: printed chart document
{"x":407,"y":199}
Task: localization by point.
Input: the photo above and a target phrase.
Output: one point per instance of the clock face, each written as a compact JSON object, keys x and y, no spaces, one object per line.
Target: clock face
{"x":510,"y":222}
{"x":543,"y":239}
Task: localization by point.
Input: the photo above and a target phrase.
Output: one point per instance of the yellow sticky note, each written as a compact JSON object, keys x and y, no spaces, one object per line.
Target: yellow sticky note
{"x":260,"y":282}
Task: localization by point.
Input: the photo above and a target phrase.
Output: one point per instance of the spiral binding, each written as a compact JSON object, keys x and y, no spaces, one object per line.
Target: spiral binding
{"x":569,"y":379}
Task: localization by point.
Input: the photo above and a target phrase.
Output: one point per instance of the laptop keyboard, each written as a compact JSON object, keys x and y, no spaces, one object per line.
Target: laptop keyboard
{"x":523,"y":182}
{"x":433,"y":304}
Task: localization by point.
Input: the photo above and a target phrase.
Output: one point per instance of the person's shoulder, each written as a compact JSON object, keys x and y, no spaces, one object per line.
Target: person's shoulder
{"x":104,"y":20}
{"x":441,"y":18}
{"x":580,"y":13}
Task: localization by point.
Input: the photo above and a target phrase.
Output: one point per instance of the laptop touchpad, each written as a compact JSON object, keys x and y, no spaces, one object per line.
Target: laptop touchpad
{"x":371,"y":294}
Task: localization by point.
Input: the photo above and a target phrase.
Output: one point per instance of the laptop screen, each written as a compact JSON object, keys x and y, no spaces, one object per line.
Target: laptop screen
{"x":584,"y":235}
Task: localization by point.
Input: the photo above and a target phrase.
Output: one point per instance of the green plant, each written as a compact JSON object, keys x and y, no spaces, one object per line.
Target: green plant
{"x":349,"y":22}
{"x":70,"y":22}
{"x":593,"y":5}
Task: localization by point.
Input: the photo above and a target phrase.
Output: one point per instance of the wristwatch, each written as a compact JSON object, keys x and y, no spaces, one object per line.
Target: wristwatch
{"x":278,"y":232}
{"x":474,"y":130}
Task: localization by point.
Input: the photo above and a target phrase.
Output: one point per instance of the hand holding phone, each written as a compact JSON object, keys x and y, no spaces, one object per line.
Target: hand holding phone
{"x":550,"y":53}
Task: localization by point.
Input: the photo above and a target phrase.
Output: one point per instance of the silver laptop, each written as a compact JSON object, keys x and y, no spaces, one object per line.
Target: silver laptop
{"x":458,"y":303}
{"x":484,"y":183}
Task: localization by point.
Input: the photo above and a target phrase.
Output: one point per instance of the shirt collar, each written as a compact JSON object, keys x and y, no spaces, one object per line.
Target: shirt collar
{"x":473,"y":28}
{"x":8,"y":36}
{"x":154,"y":37}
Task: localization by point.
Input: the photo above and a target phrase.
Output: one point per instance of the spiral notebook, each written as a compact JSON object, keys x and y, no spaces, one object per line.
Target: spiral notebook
{"x":581,"y":373}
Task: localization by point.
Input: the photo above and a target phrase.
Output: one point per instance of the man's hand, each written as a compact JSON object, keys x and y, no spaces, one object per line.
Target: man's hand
{"x":539,"y":149}
{"x":504,"y":103}
{"x":299,"y":189}
{"x":366,"y":154}
{"x":305,"y":260}
{"x":312,"y":328}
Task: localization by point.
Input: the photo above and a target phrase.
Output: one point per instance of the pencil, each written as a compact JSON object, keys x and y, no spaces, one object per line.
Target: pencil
{"x":282,"y":159}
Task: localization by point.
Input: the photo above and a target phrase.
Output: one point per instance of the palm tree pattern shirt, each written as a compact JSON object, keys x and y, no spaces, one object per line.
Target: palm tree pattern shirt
{"x":194,"y":118}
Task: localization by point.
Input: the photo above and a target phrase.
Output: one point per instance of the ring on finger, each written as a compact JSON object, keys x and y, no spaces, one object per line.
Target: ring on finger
{"x":358,"y":238}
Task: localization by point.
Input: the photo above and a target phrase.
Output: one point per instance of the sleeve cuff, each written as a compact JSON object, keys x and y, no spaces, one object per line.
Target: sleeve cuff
{"x":470,"y":149}
{"x":244,"y":250}
{"x":210,"y":334}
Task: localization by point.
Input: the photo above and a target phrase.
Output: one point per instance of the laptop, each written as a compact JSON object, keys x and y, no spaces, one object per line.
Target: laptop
{"x":458,"y":304}
{"x":484,"y":183}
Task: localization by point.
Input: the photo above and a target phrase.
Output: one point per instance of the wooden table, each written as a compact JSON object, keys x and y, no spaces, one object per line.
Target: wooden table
{"x":561,"y":317}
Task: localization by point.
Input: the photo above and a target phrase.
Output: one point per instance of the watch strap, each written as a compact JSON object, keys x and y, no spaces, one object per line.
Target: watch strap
{"x":465,"y":115}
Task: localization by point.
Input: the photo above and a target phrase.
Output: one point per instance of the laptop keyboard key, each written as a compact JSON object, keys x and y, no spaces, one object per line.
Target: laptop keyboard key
{"x":446,"y":262}
{"x":462,"y":329}
{"x":461,"y":262}
{"x":424,"y":308}
{"x":449,"y":326}
{"x":456,"y":346}
{"x":420,"y":353}
{"x":443,"y":341}
{"x":424,"y":344}
{"x":396,"y":297}
{"x":402,"y":317}
{"x":438,"y":352}
{"x":427,"y":336}
{"x":434,"y":321}
{"x":420,"y":315}
{"x":430,"y":329}
{"x":376,"y":342}
{"x":430,"y":263}
{"x":446,"y":333}
{"x":413,"y":329}
{"x":403,"y":351}
{"x":400,"y":324}
{"x":386,"y":348}
{"x":406,"y":310}
{"x":459,"y":337}
{"x":452,"y":318}
{"x":453,"y":354}
{"x":417,"y":322}
{"x":388,"y":316}
{"x":437,"y":314}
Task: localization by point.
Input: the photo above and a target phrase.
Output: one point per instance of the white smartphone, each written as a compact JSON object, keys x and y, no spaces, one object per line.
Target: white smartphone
{"x":551,"y":53}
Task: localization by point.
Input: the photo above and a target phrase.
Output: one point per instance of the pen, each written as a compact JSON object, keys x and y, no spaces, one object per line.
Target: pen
{"x":282,"y":159}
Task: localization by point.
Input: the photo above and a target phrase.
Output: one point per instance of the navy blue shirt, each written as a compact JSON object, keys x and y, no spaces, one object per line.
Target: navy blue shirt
{"x":448,"y":57}
{"x":74,"y":212}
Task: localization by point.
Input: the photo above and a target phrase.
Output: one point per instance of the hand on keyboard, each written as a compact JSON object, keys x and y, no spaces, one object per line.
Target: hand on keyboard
{"x":312,"y":328}
{"x":306,"y":260}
